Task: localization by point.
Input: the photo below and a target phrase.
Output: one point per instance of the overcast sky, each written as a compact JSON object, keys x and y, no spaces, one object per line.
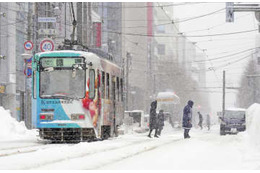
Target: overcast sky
{"x":219,"y":46}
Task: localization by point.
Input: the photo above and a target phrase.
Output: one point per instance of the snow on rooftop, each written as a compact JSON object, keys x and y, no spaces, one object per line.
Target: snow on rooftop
{"x":11,"y":129}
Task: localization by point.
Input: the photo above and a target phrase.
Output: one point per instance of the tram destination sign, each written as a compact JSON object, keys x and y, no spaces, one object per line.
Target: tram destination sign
{"x":60,"y":62}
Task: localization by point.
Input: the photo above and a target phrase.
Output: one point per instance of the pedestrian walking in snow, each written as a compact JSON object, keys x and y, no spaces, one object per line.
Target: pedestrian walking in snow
{"x":200,"y":120}
{"x":153,"y":124}
{"x":208,"y":121}
{"x":187,"y":117}
{"x":160,"y":122}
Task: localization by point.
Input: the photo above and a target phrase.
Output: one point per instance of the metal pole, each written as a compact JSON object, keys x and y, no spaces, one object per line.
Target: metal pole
{"x":65,"y":19}
{"x":224,"y":81}
{"x":127,"y":79}
{"x":25,"y":95}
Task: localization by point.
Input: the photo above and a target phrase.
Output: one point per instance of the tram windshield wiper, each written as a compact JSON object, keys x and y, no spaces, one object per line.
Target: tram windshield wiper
{"x":65,"y":96}
{"x":47,"y":96}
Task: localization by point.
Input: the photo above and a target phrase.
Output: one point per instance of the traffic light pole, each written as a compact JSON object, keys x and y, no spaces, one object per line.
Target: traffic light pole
{"x":224,"y":83}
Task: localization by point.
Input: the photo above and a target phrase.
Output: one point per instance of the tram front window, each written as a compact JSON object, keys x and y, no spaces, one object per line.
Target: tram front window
{"x":61,"y":81}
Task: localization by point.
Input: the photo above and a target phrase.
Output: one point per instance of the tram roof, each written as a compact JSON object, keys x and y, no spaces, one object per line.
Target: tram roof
{"x":72,"y":53}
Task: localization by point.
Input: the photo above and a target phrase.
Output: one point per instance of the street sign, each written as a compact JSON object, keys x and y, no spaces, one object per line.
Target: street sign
{"x":229,"y":11}
{"x":28,"y":45}
{"x":47,"y":31}
{"x":28,"y":72}
{"x":47,"y":19}
{"x":46,"y":45}
{"x":28,"y":67}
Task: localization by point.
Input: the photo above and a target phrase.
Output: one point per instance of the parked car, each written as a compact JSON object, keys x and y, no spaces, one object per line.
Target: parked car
{"x":233,"y":121}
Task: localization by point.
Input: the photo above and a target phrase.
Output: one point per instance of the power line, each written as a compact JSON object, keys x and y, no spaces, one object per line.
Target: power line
{"x":221,"y":57}
{"x":215,"y":26}
{"x":208,"y":14}
{"x":230,"y":63}
{"x":168,"y":5}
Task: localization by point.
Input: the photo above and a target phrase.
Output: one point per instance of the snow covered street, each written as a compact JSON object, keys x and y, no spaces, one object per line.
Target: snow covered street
{"x":205,"y":150}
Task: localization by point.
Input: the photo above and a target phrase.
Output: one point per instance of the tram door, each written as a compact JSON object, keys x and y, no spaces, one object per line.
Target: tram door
{"x":114,"y":104}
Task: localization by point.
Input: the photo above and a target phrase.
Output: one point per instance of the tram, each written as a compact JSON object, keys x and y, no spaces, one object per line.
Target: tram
{"x":76,"y":96}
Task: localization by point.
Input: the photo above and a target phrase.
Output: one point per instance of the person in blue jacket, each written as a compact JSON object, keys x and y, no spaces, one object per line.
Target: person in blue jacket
{"x":187,"y":117}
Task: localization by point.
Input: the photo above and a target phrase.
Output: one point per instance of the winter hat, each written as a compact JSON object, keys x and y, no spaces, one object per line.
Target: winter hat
{"x":190,"y":103}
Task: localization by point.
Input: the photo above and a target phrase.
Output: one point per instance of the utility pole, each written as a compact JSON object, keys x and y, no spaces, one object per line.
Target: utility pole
{"x":224,"y":83}
{"x":36,"y":26}
{"x":128,"y":56}
{"x":65,"y":19}
{"x":79,"y":20}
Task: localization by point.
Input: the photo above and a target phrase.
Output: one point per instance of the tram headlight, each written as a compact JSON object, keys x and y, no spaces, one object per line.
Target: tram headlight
{"x":77,"y":117}
{"x":46,"y":116}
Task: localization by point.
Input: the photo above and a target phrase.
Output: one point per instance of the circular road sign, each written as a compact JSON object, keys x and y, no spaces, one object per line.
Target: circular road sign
{"x":28,"y":72}
{"x":28,"y":45}
{"x":46,"y":45}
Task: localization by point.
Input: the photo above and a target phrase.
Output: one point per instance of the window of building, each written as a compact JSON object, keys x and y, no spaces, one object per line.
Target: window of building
{"x":161,"y":49}
{"x":161,"y":29}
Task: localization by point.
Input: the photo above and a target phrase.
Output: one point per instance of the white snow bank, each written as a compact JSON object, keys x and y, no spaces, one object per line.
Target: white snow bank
{"x":11,"y":129}
{"x":253,"y":124}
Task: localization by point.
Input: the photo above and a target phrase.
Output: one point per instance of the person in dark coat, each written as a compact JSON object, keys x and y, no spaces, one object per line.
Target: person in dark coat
{"x":160,"y":122}
{"x":187,"y":117}
{"x":200,"y":120}
{"x":153,"y":119}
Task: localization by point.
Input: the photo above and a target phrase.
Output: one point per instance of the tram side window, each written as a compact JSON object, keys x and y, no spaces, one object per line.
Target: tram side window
{"x":121,"y":88}
{"x":113,"y":89}
{"x":103,"y":85}
{"x":117,"y":89}
{"x":107,"y":87}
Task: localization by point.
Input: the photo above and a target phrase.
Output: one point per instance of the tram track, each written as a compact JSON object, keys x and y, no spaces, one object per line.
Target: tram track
{"x":113,"y":149}
{"x":24,"y":149}
{"x":90,"y":153}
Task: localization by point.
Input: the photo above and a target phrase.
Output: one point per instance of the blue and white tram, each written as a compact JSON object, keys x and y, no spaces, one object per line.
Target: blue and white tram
{"x":76,"y":95}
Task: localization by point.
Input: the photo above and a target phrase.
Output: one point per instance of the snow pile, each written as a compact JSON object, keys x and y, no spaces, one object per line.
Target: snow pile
{"x":11,"y":129}
{"x":253,"y":124}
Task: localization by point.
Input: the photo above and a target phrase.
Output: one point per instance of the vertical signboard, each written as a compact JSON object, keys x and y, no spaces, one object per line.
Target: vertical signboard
{"x":150,"y":18}
{"x":229,"y":11}
{"x":97,"y":33}
{"x":28,"y":67}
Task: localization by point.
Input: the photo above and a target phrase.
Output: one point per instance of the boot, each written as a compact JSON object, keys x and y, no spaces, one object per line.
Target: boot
{"x":149,"y":135}
{"x":155,"y":135}
{"x":188,"y":136}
